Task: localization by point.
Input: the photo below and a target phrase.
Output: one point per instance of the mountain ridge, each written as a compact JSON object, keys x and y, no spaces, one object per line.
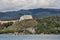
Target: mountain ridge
{"x":39,"y":12}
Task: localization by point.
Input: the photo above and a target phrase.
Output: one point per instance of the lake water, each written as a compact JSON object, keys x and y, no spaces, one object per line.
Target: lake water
{"x":29,"y":37}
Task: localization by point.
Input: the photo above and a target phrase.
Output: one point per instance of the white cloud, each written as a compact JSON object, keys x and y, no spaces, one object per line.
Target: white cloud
{"x":6,"y":5}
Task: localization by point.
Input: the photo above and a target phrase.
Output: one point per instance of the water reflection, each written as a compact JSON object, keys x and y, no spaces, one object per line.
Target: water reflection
{"x":28,"y":37}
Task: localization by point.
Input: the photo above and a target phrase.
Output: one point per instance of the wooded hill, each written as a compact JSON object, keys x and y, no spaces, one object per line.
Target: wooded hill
{"x":45,"y":25}
{"x":39,"y":12}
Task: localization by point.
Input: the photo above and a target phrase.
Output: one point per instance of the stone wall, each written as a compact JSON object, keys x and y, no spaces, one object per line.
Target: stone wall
{"x":8,"y":21}
{"x":25,"y":17}
{"x":21,"y":18}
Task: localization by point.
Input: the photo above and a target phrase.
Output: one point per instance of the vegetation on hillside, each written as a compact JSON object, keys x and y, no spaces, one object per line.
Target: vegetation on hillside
{"x":47,"y":25}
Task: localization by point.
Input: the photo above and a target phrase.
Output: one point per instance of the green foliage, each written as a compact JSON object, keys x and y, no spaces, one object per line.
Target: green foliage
{"x":22,"y":25}
{"x":47,"y":25}
{"x":7,"y":24}
{"x":28,"y":23}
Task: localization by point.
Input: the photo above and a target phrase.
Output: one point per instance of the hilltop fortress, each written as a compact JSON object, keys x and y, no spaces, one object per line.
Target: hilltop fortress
{"x":24,"y":17}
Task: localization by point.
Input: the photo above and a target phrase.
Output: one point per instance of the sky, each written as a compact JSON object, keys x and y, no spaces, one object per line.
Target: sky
{"x":12,"y":5}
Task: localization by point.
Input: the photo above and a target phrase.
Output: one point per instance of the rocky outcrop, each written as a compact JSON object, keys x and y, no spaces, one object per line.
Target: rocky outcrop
{"x":24,"y":17}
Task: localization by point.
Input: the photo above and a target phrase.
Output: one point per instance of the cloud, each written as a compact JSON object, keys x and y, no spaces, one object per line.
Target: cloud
{"x":6,"y":5}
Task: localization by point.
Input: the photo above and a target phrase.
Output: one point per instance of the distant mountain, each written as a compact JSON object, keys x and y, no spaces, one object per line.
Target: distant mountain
{"x":39,"y":12}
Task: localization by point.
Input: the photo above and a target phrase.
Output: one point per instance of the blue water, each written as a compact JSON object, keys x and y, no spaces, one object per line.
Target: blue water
{"x":29,"y":37}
